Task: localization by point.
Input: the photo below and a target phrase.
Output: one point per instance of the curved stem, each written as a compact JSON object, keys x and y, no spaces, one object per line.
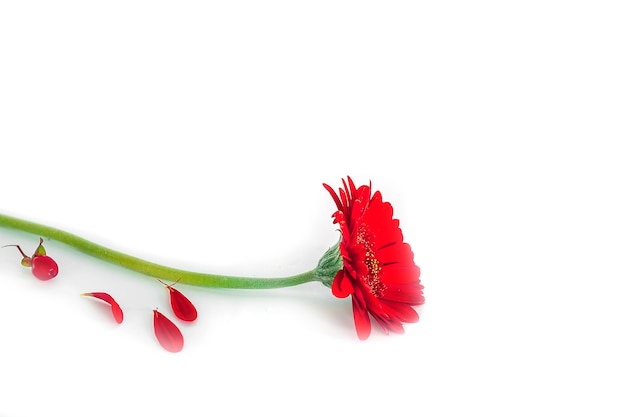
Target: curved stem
{"x":150,"y":268}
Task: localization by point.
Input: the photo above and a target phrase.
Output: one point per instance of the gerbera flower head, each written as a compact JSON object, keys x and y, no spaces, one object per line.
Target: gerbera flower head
{"x":378,"y":267}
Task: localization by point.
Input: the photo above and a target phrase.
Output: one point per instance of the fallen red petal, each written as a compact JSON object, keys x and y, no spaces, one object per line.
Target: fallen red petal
{"x":166,"y":332}
{"x":182,"y":307}
{"x":118,"y":314}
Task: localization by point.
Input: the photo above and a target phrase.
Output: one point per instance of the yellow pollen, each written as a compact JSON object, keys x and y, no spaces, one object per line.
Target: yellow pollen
{"x":373,"y":265}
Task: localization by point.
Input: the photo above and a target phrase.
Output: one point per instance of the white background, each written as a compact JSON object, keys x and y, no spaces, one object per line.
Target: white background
{"x":198,"y":135}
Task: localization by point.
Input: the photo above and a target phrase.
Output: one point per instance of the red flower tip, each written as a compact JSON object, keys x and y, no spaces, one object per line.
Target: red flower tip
{"x":166,"y":332}
{"x":182,"y":307}
{"x":118,"y":314}
{"x":378,"y":268}
{"x":42,"y":266}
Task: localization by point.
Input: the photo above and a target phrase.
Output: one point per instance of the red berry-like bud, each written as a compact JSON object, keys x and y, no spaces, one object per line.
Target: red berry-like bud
{"x":44,"y":267}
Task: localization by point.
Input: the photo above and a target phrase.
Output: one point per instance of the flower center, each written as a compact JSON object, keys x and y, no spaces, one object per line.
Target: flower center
{"x":364,"y":238}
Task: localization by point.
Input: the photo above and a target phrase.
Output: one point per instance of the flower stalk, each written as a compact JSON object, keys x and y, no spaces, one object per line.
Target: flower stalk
{"x":164,"y":272}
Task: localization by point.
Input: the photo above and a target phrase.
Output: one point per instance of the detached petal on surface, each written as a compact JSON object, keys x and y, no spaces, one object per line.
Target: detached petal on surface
{"x":166,"y":332}
{"x":181,"y":306}
{"x":118,"y":314}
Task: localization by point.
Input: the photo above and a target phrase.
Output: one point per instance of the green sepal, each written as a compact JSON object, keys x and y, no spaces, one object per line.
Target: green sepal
{"x":328,"y":266}
{"x":40,"y":251}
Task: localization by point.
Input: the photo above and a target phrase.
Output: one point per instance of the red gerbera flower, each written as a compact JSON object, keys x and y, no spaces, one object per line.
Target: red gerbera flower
{"x":378,"y":267}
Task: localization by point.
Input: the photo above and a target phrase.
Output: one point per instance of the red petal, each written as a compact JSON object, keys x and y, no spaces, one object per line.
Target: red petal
{"x":118,"y":314}
{"x":342,"y":285}
{"x":334,"y":195}
{"x":166,"y":332}
{"x":182,"y":307}
{"x":397,"y":253}
{"x":361,"y":319}
{"x":389,"y":324}
{"x":404,"y":293}
{"x":401,"y":312}
{"x":401,"y":274}
{"x":345,"y":202}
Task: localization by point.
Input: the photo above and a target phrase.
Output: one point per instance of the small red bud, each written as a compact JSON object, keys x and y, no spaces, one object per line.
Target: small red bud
{"x":42,"y":266}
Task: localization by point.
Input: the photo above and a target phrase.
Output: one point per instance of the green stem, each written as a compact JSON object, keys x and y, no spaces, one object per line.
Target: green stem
{"x":150,"y":268}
